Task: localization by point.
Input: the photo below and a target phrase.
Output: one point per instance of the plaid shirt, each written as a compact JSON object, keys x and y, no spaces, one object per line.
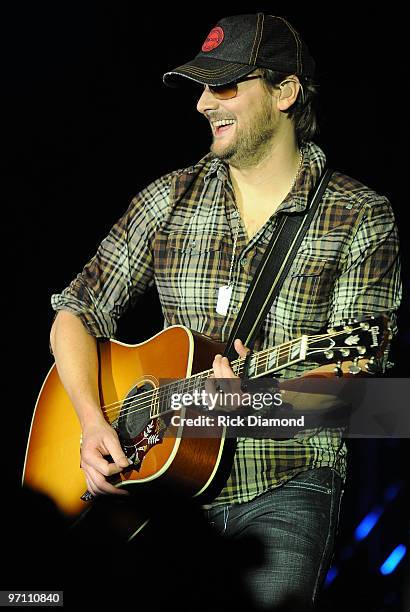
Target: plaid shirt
{"x":178,"y":232}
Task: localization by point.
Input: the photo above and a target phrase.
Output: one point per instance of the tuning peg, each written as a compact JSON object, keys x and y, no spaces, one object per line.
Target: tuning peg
{"x":345,"y":352}
{"x":329,"y":354}
{"x":371,"y":366}
{"x":338,"y":369}
{"x":354,"y":368}
{"x":364,"y":325}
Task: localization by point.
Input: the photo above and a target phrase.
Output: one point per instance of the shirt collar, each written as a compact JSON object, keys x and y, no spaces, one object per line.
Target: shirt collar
{"x":217,"y":168}
{"x":314,"y":161}
{"x":211,"y":167}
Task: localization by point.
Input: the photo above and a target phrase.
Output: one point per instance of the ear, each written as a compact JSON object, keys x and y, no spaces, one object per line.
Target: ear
{"x":289,"y":91}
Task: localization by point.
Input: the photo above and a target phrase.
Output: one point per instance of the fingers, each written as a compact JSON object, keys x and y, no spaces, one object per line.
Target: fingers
{"x":94,"y":459}
{"x":221,"y":365}
{"x":223,"y":374}
{"x":118,"y":456}
{"x":97,"y":485}
{"x":240,"y":348}
{"x":99,"y":441}
{"x":94,"y":449}
{"x":222,"y":368}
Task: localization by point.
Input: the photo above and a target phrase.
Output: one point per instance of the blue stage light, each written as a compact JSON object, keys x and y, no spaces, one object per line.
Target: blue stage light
{"x":367,"y":524}
{"x":393,"y":560}
{"x":331,"y":575}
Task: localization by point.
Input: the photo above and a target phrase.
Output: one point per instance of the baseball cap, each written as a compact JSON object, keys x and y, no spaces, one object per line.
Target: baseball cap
{"x":239,"y":44}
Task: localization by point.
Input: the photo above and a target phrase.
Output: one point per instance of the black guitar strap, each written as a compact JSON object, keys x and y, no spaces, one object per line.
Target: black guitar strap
{"x":273,"y":269}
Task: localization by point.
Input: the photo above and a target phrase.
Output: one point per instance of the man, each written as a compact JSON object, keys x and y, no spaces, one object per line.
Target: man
{"x":199,"y":234}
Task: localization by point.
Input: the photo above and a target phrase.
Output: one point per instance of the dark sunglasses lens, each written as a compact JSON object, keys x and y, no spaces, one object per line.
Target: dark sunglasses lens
{"x":224,"y":92}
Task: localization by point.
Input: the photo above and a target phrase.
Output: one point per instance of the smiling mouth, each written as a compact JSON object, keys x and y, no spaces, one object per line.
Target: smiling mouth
{"x":222,"y":127}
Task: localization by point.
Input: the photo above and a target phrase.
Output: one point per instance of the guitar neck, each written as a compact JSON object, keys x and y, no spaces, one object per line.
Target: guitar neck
{"x":261,"y":363}
{"x":350,"y":341}
{"x":274,"y":359}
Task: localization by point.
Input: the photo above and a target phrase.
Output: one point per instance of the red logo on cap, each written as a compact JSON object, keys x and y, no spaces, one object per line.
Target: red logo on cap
{"x":213,"y":40}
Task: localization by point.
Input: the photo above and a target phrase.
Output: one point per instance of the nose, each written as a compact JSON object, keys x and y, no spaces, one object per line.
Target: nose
{"x":207,"y":101}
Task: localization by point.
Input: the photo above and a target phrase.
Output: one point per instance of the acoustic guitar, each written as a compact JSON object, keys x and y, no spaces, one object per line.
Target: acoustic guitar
{"x":136,"y":402}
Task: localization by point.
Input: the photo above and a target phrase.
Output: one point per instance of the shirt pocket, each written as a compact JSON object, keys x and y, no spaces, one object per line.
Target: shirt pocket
{"x":306,"y":293}
{"x":189,"y":267}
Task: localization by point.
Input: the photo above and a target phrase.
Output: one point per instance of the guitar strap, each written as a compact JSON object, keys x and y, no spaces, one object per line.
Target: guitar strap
{"x":273,"y":269}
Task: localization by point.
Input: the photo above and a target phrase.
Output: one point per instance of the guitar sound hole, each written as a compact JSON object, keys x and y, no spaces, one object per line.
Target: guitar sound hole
{"x":135,"y":412}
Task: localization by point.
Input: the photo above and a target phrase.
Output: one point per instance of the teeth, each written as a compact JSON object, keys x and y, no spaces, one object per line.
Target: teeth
{"x":224,"y":122}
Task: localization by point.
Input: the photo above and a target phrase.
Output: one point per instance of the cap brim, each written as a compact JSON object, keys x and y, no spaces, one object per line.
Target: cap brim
{"x":207,"y":71}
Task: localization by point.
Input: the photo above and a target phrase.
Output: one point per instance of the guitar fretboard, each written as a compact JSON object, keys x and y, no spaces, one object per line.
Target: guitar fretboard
{"x":261,"y":363}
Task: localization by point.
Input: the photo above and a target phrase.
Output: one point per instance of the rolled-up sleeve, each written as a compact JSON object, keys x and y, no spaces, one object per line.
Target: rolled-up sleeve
{"x":122,"y":268}
{"x":369,"y":282}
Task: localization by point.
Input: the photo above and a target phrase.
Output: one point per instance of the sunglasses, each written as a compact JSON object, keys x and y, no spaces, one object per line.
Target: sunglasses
{"x":230,"y":90}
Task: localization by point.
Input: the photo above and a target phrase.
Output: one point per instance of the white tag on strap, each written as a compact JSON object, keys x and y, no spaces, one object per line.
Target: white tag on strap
{"x":224,"y":297}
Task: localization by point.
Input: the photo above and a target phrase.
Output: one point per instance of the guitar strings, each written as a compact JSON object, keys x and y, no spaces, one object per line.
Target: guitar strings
{"x":155,"y":410}
{"x":143,"y":406}
{"x":233,"y":364}
{"x":144,"y":399}
{"x":131,"y":402}
{"x":262,"y":359}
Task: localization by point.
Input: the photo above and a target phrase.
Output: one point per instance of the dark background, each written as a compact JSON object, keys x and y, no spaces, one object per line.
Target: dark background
{"x":87,"y":123}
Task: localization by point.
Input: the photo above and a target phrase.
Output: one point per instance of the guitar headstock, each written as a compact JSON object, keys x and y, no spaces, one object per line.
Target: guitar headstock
{"x":353,"y":340}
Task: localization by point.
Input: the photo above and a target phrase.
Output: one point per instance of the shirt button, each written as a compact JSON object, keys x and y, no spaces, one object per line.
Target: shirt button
{"x":236,"y":214}
{"x":244,"y":262}
{"x":235,"y":309}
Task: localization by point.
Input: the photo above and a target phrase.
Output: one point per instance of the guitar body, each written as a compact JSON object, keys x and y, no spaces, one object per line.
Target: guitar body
{"x":136,"y":383}
{"x":52,"y":464}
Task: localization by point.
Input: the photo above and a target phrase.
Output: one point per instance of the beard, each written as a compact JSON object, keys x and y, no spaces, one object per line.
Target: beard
{"x":253,"y":142}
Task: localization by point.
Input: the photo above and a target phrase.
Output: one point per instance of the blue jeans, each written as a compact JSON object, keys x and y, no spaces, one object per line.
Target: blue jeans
{"x":296,"y":524}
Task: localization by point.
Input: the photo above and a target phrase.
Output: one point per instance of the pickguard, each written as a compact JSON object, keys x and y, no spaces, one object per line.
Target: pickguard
{"x":137,"y":430}
{"x":137,"y":448}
